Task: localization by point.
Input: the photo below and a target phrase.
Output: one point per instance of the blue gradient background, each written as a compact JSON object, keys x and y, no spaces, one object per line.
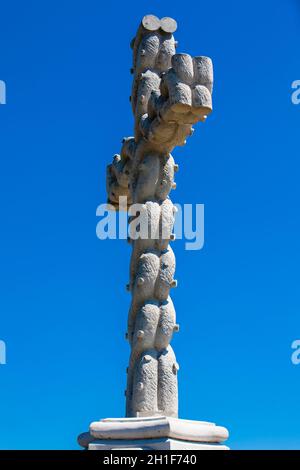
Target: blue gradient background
{"x":63,"y":303}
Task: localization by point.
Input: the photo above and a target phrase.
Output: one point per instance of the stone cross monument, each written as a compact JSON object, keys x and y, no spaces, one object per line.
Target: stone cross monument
{"x":170,"y":93}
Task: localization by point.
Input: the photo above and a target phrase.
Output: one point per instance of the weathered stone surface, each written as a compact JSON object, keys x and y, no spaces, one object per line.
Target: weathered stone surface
{"x":170,"y":93}
{"x":153,"y":433}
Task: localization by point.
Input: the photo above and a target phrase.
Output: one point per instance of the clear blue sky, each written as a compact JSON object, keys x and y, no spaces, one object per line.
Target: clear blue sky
{"x":63,"y":304}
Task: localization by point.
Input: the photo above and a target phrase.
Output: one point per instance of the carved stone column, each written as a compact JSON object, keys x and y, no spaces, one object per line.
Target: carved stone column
{"x":170,"y":93}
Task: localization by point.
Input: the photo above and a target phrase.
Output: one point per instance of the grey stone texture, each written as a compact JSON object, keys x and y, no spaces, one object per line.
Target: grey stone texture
{"x":170,"y":93}
{"x":160,"y":433}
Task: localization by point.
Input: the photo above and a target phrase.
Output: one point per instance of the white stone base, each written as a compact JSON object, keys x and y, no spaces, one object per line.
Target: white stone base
{"x":153,"y":433}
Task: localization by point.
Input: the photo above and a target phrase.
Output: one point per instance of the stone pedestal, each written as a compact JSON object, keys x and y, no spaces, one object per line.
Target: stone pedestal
{"x":153,"y":433}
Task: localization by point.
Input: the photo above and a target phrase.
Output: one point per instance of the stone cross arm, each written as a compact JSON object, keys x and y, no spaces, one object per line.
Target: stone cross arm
{"x":170,"y":93}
